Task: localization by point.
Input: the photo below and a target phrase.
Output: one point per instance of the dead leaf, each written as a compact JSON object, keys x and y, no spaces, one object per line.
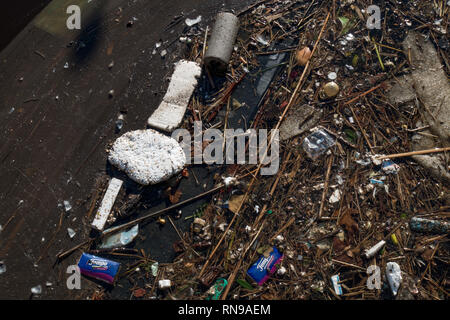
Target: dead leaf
{"x":174,"y":198}
{"x":348,"y":223}
{"x":138,"y":293}
{"x":235,"y":202}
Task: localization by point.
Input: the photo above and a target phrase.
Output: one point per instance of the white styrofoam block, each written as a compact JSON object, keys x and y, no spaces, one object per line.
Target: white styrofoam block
{"x":171,"y":111}
{"x":164,"y":284}
{"x":107,"y":203}
{"x":147,"y":156}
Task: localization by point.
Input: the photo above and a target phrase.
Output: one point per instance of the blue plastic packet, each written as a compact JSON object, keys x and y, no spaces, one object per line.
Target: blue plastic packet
{"x":265,"y":266}
{"x":99,"y":268}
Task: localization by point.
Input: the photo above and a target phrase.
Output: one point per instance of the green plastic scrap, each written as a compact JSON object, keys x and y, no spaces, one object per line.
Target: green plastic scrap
{"x":244,"y":284}
{"x":219,"y":286}
{"x":154,"y":269}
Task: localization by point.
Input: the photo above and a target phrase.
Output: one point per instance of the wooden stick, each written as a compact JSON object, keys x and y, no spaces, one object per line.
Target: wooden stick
{"x":291,"y":221}
{"x":363,"y":94}
{"x":325,"y":187}
{"x":413,"y":153}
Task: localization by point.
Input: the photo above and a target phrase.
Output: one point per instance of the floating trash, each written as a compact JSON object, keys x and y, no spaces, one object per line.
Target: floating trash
{"x":429,"y":226}
{"x":329,"y":91}
{"x":99,"y":268}
{"x":265,"y":266}
{"x":36,"y":290}
{"x":369,"y":253}
{"x":394,"y":276}
{"x":389,"y":167}
{"x":332,"y":75}
{"x":154,"y":269}
{"x":67,"y":205}
{"x":164,"y":284}
{"x":336,"y":196}
{"x":120,"y":239}
{"x":119,"y":122}
{"x":336,"y":284}
{"x":262,"y":40}
{"x":71,"y":233}
{"x":317,"y":143}
{"x":192,"y":22}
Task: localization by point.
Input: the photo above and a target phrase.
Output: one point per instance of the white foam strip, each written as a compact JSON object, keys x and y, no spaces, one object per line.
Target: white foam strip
{"x":107,"y":203}
{"x":171,"y":111}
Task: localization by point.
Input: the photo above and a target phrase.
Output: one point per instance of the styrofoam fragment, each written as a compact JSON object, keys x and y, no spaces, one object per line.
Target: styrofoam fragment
{"x":171,"y":111}
{"x":147,"y":156}
{"x":164,"y":284}
{"x":394,"y":276}
{"x":107,"y":204}
{"x":372,"y":251}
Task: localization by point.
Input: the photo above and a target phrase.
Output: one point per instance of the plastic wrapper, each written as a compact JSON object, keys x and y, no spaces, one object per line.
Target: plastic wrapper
{"x":99,"y":268}
{"x":120,"y":239}
{"x":317,"y":143}
{"x":265,"y":266}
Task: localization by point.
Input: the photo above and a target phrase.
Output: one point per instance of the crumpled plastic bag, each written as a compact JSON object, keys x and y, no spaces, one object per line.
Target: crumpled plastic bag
{"x":317,"y":143}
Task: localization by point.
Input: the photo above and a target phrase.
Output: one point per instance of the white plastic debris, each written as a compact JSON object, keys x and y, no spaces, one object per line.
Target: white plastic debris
{"x":191,"y":22}
{"x":107,"y":203}
{"x":147,"y":156}
{"x":394,"y":276}
{"x":222,"y":226}
{"x":229,"y":181}
{"x":165,"y":284}
{"x":332,"y":76}
{"x":336,"y":196}
{"x":171,"y":111}
{"x":375,"y":159}
{"x":262,"y":40}
{"x":200,"y":222}
{"x":336,"y":285}
{"x":2,"y":267}
{"x":36,"y":289}
{"x":281,"y":271}
{"x":120,"y":239}
{"x":119,"y":122}
{"x":390,"y":167}
{"x":372,"y":251}
{"x":67,"y":206}
{"x":317,"y":143}
{"x":71,"y":233}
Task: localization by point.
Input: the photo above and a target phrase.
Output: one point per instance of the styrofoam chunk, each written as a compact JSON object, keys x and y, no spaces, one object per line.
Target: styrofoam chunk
{"x":107,"y":203}
{"x":171,"y":111}
{"x":147,"y":156}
